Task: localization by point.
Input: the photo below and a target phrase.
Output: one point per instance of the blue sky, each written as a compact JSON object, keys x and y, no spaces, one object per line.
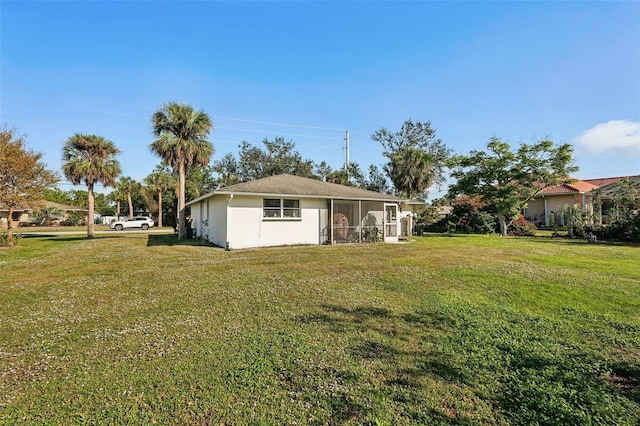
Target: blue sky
{"x":308,"y":71}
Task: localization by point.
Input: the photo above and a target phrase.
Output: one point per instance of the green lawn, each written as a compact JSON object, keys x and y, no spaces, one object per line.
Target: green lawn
{"x":139,"y":329}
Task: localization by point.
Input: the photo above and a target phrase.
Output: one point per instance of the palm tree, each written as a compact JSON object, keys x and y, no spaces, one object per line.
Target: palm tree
{"x":159,"y":182}
{"x":116,"y":196}
{"x":181,"y":141}
{"x":126,"y":185}
{"x":91,"y":159}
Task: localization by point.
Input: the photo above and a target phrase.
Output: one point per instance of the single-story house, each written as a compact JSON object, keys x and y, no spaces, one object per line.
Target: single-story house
{"x":607,"y":191}
{"x":287,"y":210}
{"x":63,"y":211}
{"x":552,"y":200}
{"x":22,"y":216}
{"x":19,"y":215}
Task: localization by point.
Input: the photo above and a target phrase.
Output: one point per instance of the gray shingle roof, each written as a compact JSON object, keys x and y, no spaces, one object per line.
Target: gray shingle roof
{"x":289,"y":185}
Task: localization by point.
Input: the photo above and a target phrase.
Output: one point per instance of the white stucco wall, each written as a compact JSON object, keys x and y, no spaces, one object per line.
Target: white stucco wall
{"x":247,"y":228}
{"x":238,"y":221}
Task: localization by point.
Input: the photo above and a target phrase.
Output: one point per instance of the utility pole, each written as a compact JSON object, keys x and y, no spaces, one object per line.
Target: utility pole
{"x":346,"y":152}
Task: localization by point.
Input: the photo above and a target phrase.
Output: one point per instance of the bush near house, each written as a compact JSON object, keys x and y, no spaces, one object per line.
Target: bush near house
{"x":468,"y":216}
{"x":627,"y":229}
{"x":521,"y":227}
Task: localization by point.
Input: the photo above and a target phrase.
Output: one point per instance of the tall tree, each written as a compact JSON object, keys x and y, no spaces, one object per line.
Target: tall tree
{"x":57,"y":195}
{"x":353,"y":177}
{"x":181,"y":141}
{"x":228,"y":170}
{"x":279,"y":157}
{"x":323,"y":170}
{"x":510,"y":179}
{"x":128,"y":186}
{"x":416,"y":157}
{"x":90,"y":158}
{"x":376,"y":180}
{"x":23,"y":176}
{"x":117,"y":196}
{"x":159,"y":181}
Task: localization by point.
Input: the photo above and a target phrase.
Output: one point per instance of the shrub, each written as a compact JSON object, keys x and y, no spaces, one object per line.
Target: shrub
{"x":467,"y":218}
{"x":5,"y":241}
{"x":74,"y":219}
{"x":626,"y":229}
{"x":522,"y":228}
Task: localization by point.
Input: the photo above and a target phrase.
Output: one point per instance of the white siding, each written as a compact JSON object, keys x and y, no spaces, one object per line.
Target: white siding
{"x":216,"y":231}
{"x":247,"y":228}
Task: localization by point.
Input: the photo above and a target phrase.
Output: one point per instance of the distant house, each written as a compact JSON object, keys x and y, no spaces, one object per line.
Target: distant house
{"x":19,"y":215}
{"x":64,"y":211}
{"x":22,"y":216}
{"x":546,"y":208}
{"x":287,"y":210}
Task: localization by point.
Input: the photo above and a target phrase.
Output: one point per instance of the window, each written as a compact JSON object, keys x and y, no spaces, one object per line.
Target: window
{"x":278,"y":208}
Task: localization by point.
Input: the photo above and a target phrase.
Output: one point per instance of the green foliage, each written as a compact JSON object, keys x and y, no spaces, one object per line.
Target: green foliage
{"x":57,"y":195}
{"x":90,"y":159}
{"x":371,"y":234}
{"x":509,"y":179}
{"x":9,"y":240}
{"x":376,"y":180}
{"x":521,"y":227}
{"x":132,"y":191}
{"x":46,"y":215}
{"x":416,"y":158}
{"x":160,"y":186}
{"x":467,"y":218}
{"x":627,"y":229}
{"x":182,"y":141}
{"x":75,"y":219}
{"x":445,"y":330}
{"x":278,"y":157}
{"x":623,"y":216}
{"x":23,"y":176}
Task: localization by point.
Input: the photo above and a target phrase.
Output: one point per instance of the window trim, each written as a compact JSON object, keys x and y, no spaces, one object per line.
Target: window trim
{"x":281,"y":210}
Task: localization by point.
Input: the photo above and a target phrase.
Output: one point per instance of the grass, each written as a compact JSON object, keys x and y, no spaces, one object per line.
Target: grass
{"x":145,"y":329}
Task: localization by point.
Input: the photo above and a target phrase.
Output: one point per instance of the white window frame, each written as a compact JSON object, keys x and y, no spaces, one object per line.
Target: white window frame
{"x":282,"y":211}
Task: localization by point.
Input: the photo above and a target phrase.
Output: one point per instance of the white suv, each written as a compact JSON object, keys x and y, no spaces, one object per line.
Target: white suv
{"x":142,"y":222}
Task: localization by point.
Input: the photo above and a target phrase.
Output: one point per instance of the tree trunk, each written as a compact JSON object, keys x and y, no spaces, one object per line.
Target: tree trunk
{"x":181,"y":202}
{"x":10,"y":227}
{"x":130,"y":204}
{"x":90,"y":226}
{"x":160,"y":209}
{"x":118,"y":209}
{"x":503,"y":225}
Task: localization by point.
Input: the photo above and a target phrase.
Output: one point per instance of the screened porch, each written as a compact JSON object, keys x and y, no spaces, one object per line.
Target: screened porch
{"x":351,"y":221}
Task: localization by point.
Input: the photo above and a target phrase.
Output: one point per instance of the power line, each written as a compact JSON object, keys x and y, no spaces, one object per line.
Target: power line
{"x":147,"y":107}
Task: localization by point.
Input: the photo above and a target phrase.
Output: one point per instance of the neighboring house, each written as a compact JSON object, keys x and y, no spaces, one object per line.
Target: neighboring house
{"x":19,"y":215}
{"x":609,"y":192}
{"x":25,"y":215}
{"x":64,"y":209}
{"x":548,"y":204}
{"x":286,"y":210}
{"x":608,"y":189}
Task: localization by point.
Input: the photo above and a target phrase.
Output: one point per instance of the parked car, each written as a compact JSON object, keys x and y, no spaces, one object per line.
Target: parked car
{"x":141,"y":222}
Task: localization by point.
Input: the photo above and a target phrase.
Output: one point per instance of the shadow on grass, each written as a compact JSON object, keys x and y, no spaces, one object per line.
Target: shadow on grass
{"x":578,"y":242}
{"x":66,"y":238}
{"x":172,"y":240}
{"x":534,"y":373}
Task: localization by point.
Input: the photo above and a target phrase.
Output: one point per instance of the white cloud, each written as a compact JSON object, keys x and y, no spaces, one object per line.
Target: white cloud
{"x":614,"y":135}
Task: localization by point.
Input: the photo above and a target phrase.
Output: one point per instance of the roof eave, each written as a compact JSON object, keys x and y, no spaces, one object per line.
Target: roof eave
{"x":275,"y":194}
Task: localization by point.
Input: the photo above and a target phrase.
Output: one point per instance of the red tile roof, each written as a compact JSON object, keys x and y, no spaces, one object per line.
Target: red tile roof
{"x":580,"y":186}
{"x":600,"y":182}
